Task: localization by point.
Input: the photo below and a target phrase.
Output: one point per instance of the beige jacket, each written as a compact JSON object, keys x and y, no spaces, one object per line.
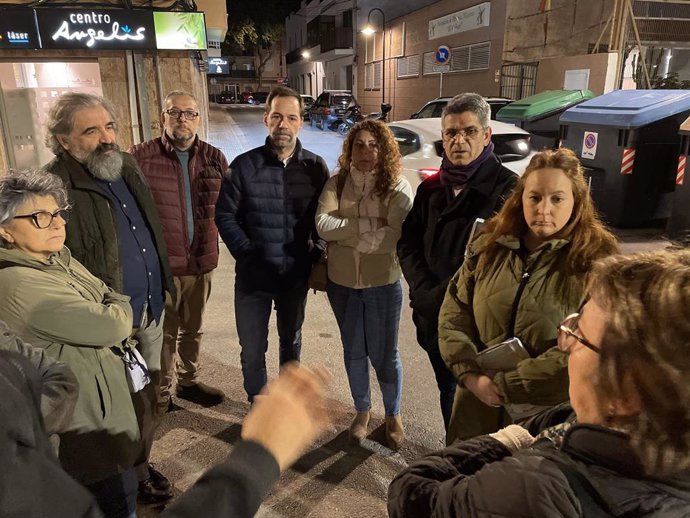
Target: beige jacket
{"x":362,"y":230}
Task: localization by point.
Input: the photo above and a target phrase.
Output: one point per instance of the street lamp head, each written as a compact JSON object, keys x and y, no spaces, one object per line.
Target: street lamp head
{"x":368,"y":30}
{"x":305,"y":54}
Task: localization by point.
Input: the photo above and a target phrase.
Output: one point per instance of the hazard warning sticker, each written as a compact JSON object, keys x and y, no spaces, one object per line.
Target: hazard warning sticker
{"x":589,"y":145}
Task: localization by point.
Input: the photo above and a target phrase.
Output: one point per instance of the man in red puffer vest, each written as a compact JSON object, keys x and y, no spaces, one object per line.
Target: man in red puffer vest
{"x":185,"y":175}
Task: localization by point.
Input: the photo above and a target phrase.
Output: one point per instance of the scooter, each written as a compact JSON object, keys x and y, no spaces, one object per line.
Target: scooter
{"x":354,"y":115}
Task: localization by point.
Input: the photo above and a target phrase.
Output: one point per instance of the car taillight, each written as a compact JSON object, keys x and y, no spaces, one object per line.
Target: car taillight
{"x":426,"y":173}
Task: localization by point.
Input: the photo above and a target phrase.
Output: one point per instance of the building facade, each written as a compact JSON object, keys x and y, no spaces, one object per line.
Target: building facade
{"x":320,"y":52}
{"x":133,"y":58}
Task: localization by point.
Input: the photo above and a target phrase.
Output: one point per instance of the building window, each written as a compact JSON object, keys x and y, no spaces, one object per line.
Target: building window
{"x":467,"y":58}
{"x":408,"y":66}
{"x":372,"y":76}
{"x":347,"y":19}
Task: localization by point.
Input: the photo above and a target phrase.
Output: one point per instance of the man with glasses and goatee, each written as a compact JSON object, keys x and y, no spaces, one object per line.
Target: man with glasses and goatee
{"x":185,"y":174}
{"x":115,"y":232}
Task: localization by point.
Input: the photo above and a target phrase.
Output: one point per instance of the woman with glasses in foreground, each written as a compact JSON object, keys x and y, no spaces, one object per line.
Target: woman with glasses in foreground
{"x":51,"y":301}
{"x":625,"y":451}
{"x":525,"y":272}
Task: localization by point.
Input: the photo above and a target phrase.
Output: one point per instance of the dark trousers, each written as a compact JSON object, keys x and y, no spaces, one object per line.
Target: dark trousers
{"x":117,"y":495}
{"x":252,"y":313}
{"x":427,"y":337}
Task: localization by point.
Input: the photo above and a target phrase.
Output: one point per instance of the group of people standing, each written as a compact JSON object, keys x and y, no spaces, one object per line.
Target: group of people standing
{"x":118,"y":295}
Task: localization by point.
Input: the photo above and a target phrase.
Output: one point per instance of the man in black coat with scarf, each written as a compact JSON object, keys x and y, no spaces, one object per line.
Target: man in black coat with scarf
{"x":471,"y":184}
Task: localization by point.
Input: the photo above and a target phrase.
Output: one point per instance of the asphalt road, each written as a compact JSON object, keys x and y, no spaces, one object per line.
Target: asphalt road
{"x":332,"y":479}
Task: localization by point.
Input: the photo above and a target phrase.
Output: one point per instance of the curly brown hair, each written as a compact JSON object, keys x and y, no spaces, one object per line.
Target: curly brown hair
{"x":589,"y":237}
{"x":644,"y":351}
{"x":388,"y":168}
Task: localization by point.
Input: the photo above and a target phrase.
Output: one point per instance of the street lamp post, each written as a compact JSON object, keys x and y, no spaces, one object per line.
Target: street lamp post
{"x":368,"y":30}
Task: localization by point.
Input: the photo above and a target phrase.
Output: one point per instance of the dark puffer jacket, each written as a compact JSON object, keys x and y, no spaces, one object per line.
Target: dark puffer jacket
{"x":435,"y":232}
{"x":265,"y":215}
{"x":479,"y":478}
{"x":207,"y":165}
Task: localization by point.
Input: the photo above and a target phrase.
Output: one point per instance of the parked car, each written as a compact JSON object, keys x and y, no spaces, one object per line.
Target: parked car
{"x":435,"y":108}
{"x":308,"y":102}
{"x":421,"y":147}
{"x":226,"y":98}
{"x":330,"y":107}
{"x":259,"y":97}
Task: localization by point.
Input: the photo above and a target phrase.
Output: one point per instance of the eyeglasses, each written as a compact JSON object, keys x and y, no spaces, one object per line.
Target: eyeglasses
{"x":466,"y":133}
{"x":43,"y":218}
{"x":568,"y":327}
{"x":176,"y":114}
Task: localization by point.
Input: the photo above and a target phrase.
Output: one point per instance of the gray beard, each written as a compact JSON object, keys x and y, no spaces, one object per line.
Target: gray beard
{"x":105,"y":167}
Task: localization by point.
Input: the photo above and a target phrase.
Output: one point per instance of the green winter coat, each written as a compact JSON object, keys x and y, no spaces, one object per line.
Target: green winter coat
{"x":59,"y":306}
{"x":476,"y":314}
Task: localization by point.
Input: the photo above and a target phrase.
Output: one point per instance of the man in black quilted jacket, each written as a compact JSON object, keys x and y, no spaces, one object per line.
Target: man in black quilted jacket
{"x":265,"y":215}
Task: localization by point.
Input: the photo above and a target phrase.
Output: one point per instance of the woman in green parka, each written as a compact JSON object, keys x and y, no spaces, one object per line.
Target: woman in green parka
{"x":50,"y":300}
{"x":525,"y":271}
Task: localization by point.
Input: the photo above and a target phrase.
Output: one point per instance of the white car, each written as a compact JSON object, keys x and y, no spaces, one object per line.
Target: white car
{"x":421,"y":147}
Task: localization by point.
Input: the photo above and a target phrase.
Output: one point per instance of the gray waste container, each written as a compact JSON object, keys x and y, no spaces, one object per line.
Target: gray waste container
{"x":679,"y":222}
{"x":628,"y":143}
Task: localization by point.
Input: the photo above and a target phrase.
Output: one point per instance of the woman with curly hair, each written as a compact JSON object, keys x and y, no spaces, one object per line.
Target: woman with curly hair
{"x":526,"y":270}
{"x":360,"y":214}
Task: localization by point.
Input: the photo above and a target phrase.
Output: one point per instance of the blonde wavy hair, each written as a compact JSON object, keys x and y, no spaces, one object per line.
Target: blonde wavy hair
{"x":645,"y":349}
{"x":388,"y":169}
{"x":589,"y":238}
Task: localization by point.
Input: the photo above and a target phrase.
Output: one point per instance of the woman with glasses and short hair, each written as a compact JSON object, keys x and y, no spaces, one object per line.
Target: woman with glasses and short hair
{"x":50,"y":300}
{"x":524,"y":272}
{"x":624,"y":451}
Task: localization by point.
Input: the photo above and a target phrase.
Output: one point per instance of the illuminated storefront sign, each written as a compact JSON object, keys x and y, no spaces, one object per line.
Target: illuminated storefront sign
{"x":18,"y":31}
{"x":96,"y":29}
{"x":102,"y":29}
{"x":218,"y":66}
{"x":180,"y":30}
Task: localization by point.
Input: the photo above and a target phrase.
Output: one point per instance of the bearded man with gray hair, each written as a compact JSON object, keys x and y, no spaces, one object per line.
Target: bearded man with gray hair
{"x":115,"y":232}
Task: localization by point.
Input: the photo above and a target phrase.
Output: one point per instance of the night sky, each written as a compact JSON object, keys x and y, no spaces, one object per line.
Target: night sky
{"x":261,"y":10}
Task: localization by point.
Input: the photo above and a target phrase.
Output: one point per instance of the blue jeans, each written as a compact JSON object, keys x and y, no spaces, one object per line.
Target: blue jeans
{"x":368,"y":320}
{"x":252,"y":313}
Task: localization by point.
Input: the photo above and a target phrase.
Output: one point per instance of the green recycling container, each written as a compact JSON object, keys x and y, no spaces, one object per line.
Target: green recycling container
{"x":539,"y":114}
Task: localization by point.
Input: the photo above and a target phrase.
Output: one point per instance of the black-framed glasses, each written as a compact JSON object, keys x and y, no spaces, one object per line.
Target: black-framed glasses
{"x":190,"y":115}
{"x":467,"y":133}
{"x":43,"y":218}
{"x":568,"y":327}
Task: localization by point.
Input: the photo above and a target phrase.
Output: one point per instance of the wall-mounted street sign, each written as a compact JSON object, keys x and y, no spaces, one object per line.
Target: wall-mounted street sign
{"x":95,"y":29}
{"x":218,"y":66}
{"x":442,"y":54}
{"x":19,"y":30}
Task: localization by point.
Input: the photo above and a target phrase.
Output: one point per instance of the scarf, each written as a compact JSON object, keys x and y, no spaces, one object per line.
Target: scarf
{"x":459,"y":175}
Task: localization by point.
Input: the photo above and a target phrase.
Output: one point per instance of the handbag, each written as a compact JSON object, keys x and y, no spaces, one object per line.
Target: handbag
{"x":318,"y":277}
{"x":135,"y":366}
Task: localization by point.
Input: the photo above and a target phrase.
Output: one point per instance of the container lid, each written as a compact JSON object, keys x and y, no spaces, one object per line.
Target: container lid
{"x":629,"y":108}
{"x":542,"y":105}
{"x":685,"y":127}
